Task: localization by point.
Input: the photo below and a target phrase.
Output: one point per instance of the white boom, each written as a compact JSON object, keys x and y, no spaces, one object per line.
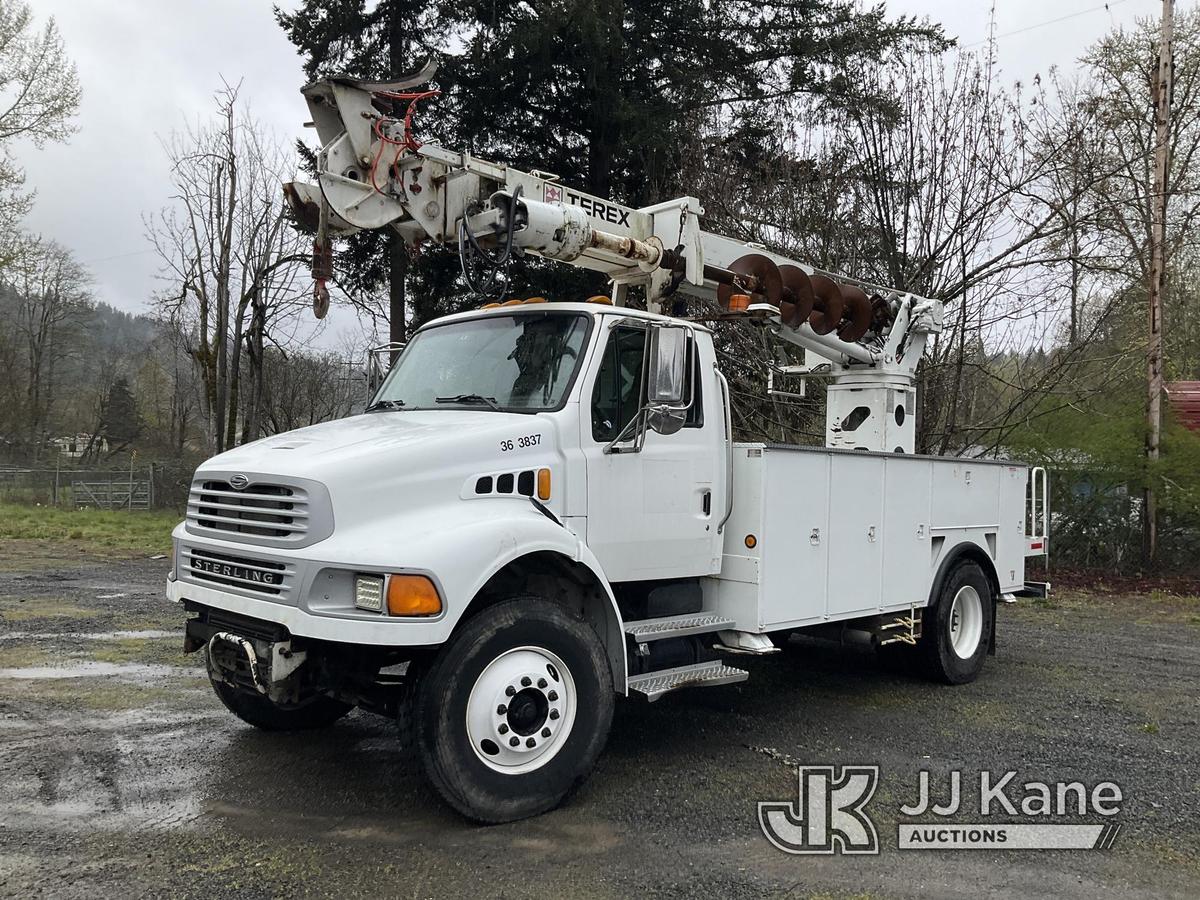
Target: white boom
{"x":372,"y":173}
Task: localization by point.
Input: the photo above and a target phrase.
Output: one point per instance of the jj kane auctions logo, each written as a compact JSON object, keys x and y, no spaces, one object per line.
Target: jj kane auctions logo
{"x":830,"y":814}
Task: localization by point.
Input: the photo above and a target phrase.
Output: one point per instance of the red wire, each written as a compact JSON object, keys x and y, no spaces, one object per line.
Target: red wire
{"x":409,"y":142}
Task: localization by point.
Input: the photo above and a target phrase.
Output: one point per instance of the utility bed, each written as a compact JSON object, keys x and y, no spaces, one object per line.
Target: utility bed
{"x":820,"y":535}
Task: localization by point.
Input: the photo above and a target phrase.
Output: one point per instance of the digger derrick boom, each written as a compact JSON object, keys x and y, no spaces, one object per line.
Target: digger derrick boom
{"x":372,"y":173}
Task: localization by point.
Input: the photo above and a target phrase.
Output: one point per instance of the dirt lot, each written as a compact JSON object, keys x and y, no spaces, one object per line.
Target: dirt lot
{"x":123,"y":776}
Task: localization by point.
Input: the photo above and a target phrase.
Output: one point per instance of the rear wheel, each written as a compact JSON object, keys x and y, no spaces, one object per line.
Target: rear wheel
{"x":956,"y":630}
{"x":514,"y":711}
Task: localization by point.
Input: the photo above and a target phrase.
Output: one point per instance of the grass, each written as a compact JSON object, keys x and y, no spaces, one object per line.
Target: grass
{"x":166,"y":651}
{"x":138,"y":532}
{"x":19,"y":609}
{"x":24,"y":656}
{"x":107,"y":694}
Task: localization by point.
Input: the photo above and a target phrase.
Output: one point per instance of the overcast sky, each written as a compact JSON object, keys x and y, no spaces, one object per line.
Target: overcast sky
{"x":149,"y":66}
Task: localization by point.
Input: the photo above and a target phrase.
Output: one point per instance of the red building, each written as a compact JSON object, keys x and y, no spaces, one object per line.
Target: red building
{"x":1184,"y":397}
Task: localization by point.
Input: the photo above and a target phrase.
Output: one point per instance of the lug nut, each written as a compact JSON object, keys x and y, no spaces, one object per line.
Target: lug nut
{"x":513,"y":741}
{"x":526,"y":681}
{"x":503,"y":729}
{"x":501,"y":709}
{"x":531,"y":743}
{"x":545,"y":732}
{"x":553,"y":695}
{"x":541,"y":682}
{"x":554,"y":713}
{"x":510,"y":690}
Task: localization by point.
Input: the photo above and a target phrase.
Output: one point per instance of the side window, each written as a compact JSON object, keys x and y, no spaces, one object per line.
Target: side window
{"x":618,"y":392}
{"x":695,"y":415}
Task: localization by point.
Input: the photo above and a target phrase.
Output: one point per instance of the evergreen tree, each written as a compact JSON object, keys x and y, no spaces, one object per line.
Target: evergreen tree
{"x":344,"y":37}
{"x":122,"y":421}
{"x":609,"y":94}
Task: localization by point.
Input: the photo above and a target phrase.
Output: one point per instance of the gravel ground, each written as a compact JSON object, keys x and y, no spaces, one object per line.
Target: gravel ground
{"x":123,"y":775}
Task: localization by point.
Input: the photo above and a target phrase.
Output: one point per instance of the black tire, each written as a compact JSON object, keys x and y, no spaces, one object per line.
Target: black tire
{"x":936,"y":650}
{"x":257,"y":710}
{"x":474,"y":788}
{"x":406,"y":741}
{"x":781,"y":639}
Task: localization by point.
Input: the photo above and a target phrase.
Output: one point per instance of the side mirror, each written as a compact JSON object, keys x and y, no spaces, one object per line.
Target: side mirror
{"x":668,"y":379}
{"x":667,"y":382}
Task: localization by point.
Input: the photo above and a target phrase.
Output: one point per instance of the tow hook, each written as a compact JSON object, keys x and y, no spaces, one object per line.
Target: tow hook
{"x":247,"y":648}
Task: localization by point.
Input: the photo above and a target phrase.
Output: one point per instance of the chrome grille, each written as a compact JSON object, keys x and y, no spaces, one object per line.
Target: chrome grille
{"x":258,"y":576}
{"x":260,"y":510}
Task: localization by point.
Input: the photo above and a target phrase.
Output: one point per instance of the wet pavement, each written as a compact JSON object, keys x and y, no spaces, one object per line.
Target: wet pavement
{"x":124,"y":776}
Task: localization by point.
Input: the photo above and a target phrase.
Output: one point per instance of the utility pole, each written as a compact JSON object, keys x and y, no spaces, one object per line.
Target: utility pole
{"x":1161,"y":94}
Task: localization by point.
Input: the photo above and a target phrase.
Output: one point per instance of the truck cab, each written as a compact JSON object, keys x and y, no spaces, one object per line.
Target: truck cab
{"x":499,"y":433}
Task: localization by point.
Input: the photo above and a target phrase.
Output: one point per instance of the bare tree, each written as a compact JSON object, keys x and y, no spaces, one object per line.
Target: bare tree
{"x":39,"y":95}
{"x":51,"y":291}
{"x":227,"y":254}
{"x":958,"y":189}
{"x":306,"y":388}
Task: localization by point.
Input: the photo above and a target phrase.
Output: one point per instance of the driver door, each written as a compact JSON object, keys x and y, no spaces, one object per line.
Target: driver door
{"x":650,"y":513}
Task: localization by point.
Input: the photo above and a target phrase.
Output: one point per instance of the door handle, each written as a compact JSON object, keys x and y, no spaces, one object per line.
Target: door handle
{"x":706,"y":502}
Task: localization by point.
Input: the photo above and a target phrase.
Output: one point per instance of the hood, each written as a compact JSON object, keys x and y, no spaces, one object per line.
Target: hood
{"x":398,"y":462}
{"x":330,"y":448}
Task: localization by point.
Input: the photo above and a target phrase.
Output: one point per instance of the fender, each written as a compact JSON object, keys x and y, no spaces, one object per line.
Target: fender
{"x":974,"y":552}
{"x":464,"y":545}
{"x":550,"y":536}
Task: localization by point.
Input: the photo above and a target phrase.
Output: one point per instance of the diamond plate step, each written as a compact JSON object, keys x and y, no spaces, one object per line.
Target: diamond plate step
{"x":646,"y":630}
{"x":709,"y":674}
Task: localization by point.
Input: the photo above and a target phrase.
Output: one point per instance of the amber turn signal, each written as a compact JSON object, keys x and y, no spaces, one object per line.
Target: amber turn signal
{"x":543,"y":484}
{"x":412,"y":595}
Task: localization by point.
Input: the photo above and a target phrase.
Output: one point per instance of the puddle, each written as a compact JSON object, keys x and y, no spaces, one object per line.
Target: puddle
{"x":148,"y":635}
{"x":92,"y":669}
{"x":106,"y":773}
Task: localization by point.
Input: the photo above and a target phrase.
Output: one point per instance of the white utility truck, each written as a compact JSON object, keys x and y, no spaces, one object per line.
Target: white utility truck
{"x":544,"y":506}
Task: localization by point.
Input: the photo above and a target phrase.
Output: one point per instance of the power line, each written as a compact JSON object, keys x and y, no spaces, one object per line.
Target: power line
{"x":1075,"y":15}
{"x":88,"y":262}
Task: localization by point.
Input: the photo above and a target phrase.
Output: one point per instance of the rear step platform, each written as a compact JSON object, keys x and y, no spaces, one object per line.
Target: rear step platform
{"x":653,"y":685}
{"x":645,"y":630}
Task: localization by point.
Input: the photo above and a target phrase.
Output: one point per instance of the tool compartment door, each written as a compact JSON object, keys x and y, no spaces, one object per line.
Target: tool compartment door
{"x":907,"y":558}
{"x":856,"y":502}
{"x":794,"y":540}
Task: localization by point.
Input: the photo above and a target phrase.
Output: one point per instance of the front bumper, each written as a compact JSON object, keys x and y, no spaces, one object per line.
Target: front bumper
{"x":377,"y":631}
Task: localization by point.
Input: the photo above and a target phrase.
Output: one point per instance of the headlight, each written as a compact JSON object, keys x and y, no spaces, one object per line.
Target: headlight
{"x":368,"y":592}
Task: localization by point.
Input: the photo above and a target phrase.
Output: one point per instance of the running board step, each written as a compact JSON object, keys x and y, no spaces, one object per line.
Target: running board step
{"x":645,"y":630}
{"x":653,"y":685}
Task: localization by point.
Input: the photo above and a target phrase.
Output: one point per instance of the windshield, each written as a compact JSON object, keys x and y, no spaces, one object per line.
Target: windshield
{"x":520,"y":363}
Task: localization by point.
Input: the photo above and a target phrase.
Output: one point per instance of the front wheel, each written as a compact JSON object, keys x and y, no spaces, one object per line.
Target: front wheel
{"x":257,"y":710}
{"x":957,"y":628}
{"x":514,"y":711}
